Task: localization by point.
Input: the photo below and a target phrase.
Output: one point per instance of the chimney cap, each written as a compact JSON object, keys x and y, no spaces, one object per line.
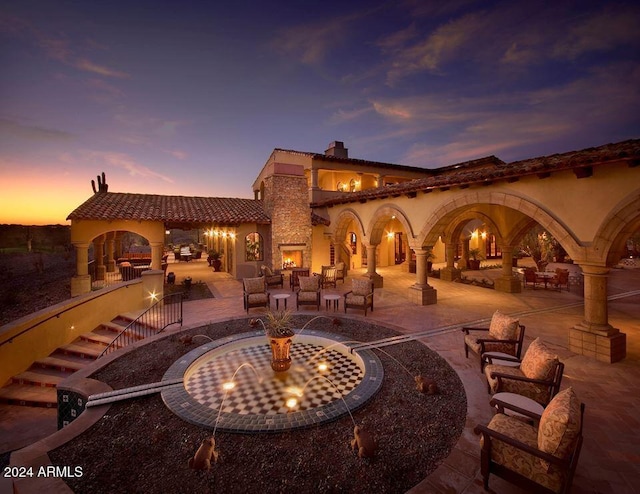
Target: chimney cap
{"x":337,"y":149}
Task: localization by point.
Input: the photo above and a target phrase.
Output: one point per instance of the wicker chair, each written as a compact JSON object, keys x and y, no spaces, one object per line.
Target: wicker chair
{"x":255,"y":293}
{"x":538,"y":376}
{"x":540,"y":458}
{"x":360,"y":296}
{"x":309,"y":291}
{"x":503,"y":336}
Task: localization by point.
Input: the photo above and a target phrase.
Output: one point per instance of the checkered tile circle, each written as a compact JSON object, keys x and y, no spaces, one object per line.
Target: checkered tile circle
{"x":258,"y":400}
{"x":259,"y":391}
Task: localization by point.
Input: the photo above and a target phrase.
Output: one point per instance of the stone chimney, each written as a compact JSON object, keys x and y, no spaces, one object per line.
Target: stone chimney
{"x":337,"y":149}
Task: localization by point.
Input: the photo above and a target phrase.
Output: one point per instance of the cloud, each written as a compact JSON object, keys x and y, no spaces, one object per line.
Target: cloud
{"x":126,"y":162}
{"x":32,"y":132}
{"x":178,"y":154}
{"x":343,"y":116}
{"x":600,"y":32}
{"x":60,"y":48}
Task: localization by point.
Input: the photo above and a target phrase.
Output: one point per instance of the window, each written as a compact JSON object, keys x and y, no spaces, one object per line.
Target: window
{"x":353,"y":241}
{"x":254,"y":247}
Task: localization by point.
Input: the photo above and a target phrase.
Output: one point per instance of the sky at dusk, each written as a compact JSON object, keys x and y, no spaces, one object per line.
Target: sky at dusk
{"x":191,"y":97}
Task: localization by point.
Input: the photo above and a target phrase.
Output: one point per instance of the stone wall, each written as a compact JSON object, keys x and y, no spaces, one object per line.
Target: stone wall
{"x":286,"y":201}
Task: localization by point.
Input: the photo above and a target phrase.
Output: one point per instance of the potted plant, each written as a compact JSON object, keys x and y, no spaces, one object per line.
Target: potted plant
{"x":279,"y":331}
{"x":474,"y":262}
{"x":430,"y":257}
{"x":214,"y":260}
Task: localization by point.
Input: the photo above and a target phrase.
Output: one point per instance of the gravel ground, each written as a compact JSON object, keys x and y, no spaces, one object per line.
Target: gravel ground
{"x":141,"y":446}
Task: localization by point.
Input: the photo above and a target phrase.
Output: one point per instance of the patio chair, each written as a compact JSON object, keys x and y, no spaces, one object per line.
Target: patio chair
{"x":295,"y":274}
{"x":537,"y":377}
{"x":538,"y":458}
{"x":341,"y":269}
{"x":255,"y":293}
{"x":309,"y":291}
{"x":530,"y":278}
{"x":328,"y":276}
{"x":271,"y":278}
{"x":360,"y":296}
{"x":504,"y":335}
{"x":561,"y":279}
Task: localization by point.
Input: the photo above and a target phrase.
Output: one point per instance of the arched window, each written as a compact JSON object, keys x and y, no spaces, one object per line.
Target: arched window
{"x":353,"y":241}
{"x":254,"y":247}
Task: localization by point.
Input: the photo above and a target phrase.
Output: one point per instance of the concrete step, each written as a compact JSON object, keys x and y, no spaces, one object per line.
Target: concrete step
{"x":41,"y":377}
{"x":31,"y":396}
{"x":82,"y":349}
{"x":60,"y":361}
{"x":99,"y":336}
{"x":117,"y":329}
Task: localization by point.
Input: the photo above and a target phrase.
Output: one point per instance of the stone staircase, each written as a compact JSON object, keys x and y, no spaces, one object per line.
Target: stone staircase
{"x":36,"y":386}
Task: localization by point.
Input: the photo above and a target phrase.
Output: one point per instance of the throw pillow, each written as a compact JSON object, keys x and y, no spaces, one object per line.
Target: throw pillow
{"x":560,"y":425}
{"x":538,"y":362}
{"x":361,"y":286}
{"x":503,"y":327}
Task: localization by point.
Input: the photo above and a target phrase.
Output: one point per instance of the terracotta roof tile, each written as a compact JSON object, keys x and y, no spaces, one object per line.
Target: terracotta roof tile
{"x":492,"y":169}
{"x":171,"y":209}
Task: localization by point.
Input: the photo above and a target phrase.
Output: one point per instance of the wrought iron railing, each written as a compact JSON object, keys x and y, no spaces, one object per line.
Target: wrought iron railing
{"x":164,"y":313}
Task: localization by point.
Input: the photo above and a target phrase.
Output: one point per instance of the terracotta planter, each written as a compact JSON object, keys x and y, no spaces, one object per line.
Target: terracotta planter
{"x":280,"y":353}
{"x":217,"y":264}
{"x":474,"y":264}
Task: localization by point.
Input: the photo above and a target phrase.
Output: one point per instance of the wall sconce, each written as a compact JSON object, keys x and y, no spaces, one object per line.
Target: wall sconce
{"x":483,"y":235}
{"x":153,"y":296}
{"x":390,"y":235}
{"x":474,"y":234}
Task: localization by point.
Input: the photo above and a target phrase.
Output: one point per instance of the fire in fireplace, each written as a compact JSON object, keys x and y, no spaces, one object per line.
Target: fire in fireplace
{"x":291,"y":259}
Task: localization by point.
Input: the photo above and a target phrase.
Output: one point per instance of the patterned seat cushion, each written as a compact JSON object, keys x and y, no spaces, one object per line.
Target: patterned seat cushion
{"x":560,"y":425}
{"x":517,"y":460}
{"x":471,"y":340}
{"x":536,"y":392}
{"x":538,"y":362}
{"x":307,"y":296}
{"x":309,"y":283}
{"x":257,"y":298}
{"x":503,"y":327}
{"x":352,"y":299}
{"x":254,"y":285}
{"x":361,"y":286}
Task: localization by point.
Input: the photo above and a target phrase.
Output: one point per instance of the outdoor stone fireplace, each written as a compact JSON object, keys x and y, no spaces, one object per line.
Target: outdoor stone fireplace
{"x":292,"y":255}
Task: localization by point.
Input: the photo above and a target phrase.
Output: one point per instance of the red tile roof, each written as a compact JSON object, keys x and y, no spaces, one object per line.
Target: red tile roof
{"x":172,"y":210}
{"x":490,"y":169}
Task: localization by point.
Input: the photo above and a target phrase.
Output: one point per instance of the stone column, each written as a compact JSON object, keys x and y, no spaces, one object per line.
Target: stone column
{"x":507,"y":282}
{"x":381,"y":180}
{"x":111,"y":263}
{"x":314,"y":178}
{"x":450,"y":273}
{"x":81,"y":282}
{"x":421,"y":293}
{"x":98,"y":251}
{"x":594,"y":336}
{"x":462,"y":262}
{"x":156,"y":255}
{"x":371,"y":267}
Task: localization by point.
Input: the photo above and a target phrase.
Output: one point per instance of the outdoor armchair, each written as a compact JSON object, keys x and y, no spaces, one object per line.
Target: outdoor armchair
{"x":255,"y":293}
{"x":309,"y":291}
{"x":271,"y":278}
{"x":538,"y":376}
{"x":504,"y":335}
{"x":360,"y":296}
{"x":538,"y":458}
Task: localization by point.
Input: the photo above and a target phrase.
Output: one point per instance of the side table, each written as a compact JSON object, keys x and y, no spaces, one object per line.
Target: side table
{"x":332,"y":298}
{"x":281,"y":296}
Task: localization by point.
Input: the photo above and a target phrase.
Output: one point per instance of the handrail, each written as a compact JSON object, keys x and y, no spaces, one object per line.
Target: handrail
{"x":154,"y":320}
{"x":57,"y":315}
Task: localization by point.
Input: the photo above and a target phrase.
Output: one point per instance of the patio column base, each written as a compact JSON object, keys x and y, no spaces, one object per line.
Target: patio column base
{"x":423,"y":295}
{"x":449,"y":274}
{"x":602,"y":342}
{"x":376,"y":278}
{"x":80,"y":284}
{"x":508,"y":284}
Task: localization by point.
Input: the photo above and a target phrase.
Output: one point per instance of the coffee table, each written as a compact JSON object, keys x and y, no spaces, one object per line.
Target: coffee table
{"x":281,"y":296}
{"x":332,"y":298}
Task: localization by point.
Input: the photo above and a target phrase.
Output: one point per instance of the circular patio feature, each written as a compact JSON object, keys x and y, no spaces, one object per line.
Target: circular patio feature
{"x":228,"y":384}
